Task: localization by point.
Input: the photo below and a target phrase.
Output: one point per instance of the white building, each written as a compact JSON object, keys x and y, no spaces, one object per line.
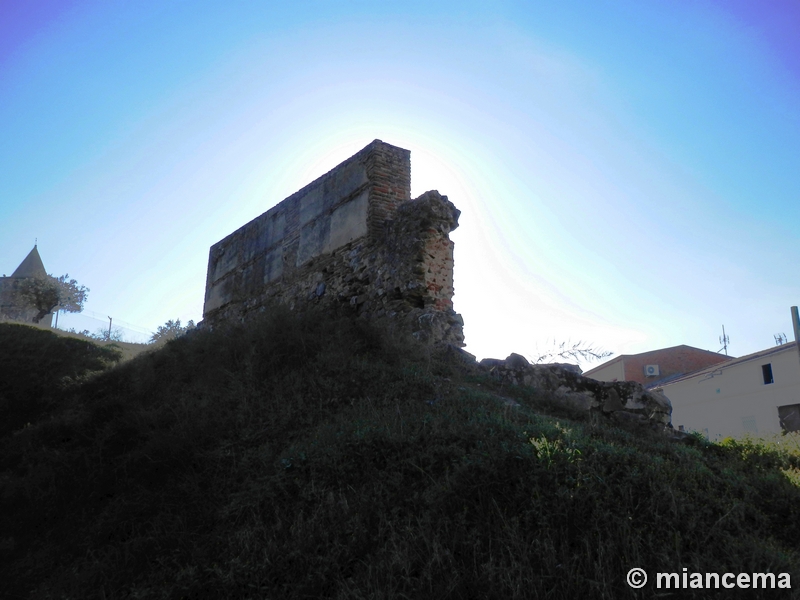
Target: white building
{"x":757,"y":394}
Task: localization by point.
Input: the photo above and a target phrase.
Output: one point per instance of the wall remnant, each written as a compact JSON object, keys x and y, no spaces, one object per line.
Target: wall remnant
{"x":621,"y":401}
{"x":353,"y":238}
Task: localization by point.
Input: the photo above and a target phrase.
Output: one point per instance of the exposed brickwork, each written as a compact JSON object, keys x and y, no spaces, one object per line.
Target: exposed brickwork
{"x":389,"y":173}
{"x":351,"y":238}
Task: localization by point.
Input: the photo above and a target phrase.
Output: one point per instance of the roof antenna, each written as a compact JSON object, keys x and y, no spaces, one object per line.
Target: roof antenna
{"x":780,"y":339}
{"x":724,"y":340}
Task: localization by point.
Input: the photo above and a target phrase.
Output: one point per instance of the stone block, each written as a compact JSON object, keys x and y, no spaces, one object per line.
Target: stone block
{"x":348,"y":222}
{"x":273,"y":265}
{"x":313,"y":238}
{"x":224,"y":260}
{"x":215,"y":297}
{"x":312,"y":205}
{"x":344,"y":182}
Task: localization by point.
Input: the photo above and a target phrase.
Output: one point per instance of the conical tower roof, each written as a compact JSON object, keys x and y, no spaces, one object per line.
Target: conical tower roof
{"x":31,"y":267}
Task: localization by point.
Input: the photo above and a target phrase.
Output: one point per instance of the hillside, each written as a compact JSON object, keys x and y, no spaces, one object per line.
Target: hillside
{"x":313,"y":457}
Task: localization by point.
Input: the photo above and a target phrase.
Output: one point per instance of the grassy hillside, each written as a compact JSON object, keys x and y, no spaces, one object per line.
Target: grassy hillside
{"x":35,"y":363}
{"x":128,"y":349}
{"x":317,"y":458}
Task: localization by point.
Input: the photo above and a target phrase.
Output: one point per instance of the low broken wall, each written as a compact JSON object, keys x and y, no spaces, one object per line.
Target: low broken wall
{"x":353,"y":237}
{"x":621,"y":401}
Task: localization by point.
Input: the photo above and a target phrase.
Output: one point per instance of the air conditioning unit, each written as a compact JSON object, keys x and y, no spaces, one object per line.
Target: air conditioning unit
{"x":651,"y":371}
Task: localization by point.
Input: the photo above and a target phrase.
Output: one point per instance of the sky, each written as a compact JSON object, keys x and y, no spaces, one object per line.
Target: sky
{"x":628,"y":173}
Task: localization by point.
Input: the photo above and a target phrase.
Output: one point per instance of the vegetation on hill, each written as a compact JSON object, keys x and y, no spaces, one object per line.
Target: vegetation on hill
{"x":312,"y":457}
{"x":170,"y":330}
{"x":34,"y":366}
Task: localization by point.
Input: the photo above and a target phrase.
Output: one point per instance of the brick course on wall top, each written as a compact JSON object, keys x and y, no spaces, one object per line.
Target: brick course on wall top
{"x":353,"y":238}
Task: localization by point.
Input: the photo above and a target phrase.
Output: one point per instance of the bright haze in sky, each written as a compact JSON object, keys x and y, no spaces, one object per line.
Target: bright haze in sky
{"x":628,"y":172}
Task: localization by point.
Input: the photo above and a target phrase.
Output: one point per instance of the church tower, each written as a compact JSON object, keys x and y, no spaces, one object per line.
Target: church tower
{"x":30,"y":267}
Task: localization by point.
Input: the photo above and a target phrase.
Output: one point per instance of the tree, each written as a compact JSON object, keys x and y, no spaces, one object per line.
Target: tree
{"x":170,"y":330}
{"x":104,"y":335}
{"x":71,"y":295}
{"x":45,"y":294}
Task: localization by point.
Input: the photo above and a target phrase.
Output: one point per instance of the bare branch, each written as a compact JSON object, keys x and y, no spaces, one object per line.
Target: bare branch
{"x":577,"y":351}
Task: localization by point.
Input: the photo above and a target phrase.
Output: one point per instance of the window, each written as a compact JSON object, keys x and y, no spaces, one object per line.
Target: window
{"x":766,"y":371}
{"x":789,"y":417}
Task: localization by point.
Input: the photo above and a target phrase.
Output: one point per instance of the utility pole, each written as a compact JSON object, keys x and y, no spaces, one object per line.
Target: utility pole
{"x":796,"y":325}
{"x":109,"y":328}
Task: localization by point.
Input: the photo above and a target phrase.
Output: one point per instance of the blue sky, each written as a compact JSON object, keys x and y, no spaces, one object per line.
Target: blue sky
{"x":628,"y":172}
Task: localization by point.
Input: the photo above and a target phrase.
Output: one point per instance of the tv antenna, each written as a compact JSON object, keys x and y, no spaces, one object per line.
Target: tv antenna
{"x":780,"y":339}
{"x":724,"y":340}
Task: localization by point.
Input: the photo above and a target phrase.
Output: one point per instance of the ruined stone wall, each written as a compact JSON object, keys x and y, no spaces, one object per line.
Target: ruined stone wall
{"x":351,"y":238}
{"x":621,"y":401}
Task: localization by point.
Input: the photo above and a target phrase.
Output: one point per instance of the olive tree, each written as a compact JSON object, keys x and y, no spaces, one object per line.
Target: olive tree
{"x":48,"y":293}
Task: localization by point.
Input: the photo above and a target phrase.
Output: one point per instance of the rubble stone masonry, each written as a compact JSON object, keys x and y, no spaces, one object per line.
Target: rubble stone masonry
{"x":351,"y":238}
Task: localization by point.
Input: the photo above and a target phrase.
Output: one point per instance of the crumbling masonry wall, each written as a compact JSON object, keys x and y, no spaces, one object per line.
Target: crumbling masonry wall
{"x":351,"y":238}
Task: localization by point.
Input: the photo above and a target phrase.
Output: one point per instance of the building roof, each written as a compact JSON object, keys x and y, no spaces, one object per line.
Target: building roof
{"x":742,"y":359}
{"x":643,"y":354}
{"x":32,"y":266}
